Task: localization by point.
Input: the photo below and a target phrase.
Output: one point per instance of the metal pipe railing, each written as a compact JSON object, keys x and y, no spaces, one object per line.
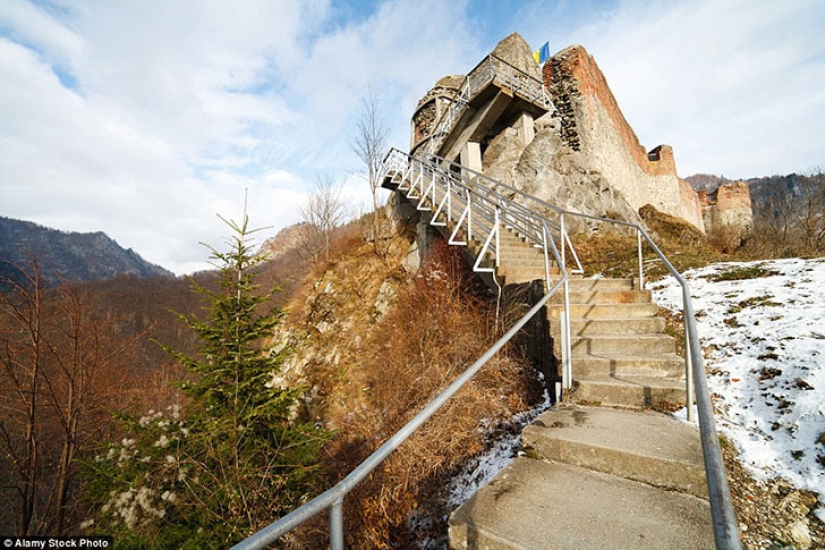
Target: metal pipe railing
{"x":725,"y":527}
{"x":724,"y":520}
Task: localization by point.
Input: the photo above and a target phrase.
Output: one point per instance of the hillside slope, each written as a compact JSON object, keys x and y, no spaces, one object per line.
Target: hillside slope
{"x":760,"y":324}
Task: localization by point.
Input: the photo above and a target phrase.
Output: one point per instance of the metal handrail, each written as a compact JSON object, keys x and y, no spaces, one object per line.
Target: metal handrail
{"x":724,"y":519}
{"x":491,"y":207}
{"x":493,"y":184}
{"x":333,"y":499}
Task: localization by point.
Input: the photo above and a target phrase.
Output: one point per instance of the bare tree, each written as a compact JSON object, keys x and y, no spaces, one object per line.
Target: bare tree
{"x":811,"y":218}
{"x":323,"y":212}
{"x":370,"y":145}
{"x":790,"y":220}
{"x":23,"y":357}
{"x":59,"y":362}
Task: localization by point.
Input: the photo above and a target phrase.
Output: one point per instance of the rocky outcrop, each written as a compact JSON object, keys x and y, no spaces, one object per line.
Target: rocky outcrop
{"x":554,"y":172}
{"x":515,"y":51}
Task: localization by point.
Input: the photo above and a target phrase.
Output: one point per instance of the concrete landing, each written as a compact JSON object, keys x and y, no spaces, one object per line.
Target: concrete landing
{"x":534,"y":504}
{"x":643,"y":446}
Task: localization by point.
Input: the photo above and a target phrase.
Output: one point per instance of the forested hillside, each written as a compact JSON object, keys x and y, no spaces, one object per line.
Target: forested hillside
{"x":67,"y":256}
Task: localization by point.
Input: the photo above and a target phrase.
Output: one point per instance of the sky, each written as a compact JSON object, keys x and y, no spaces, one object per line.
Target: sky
{"x":145,"y":120}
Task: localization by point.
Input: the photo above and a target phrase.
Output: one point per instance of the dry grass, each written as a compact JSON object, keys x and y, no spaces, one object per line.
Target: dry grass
{"x":613,"y":253}
{"x":395,"y":364}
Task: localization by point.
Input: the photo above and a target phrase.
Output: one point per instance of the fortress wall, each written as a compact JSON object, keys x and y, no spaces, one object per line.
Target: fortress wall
{"x":729,"y":206}
{"x":593,"y":124}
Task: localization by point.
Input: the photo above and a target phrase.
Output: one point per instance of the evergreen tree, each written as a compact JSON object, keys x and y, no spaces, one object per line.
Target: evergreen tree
{"x":236,"y":458}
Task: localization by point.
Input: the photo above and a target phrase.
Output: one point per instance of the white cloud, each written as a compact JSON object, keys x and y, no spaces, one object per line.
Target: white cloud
{"x":145,"y":119}
{"x":169,"y":122}
{"x":33,"y":26}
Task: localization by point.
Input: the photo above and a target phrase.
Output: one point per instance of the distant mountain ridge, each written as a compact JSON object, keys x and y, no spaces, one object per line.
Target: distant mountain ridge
{"x":67,"y":256}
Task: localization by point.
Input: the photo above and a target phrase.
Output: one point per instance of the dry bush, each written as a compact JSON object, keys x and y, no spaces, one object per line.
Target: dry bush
{"x":437,"y":329}
{"x":614,"y":252}
{"x":726,"y":238}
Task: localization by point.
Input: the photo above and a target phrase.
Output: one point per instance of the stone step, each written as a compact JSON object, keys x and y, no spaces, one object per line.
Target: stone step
{"x":636,"y":344}
{"x":603,"y":311}
{"x":522,"y":274}
{"x":593,"y":327}
{"x":644,"y":446}
{"x":667,"y":365}
{"x":520,"y":247}
{"x":511,"y":258}
{"x":536,"y":505}
{"x":591,"y":284}
{"x":629,"y":391}
{"x":607,"y":296}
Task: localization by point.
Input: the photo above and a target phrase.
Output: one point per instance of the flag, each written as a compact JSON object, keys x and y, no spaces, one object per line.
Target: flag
{"x":542,"y":54}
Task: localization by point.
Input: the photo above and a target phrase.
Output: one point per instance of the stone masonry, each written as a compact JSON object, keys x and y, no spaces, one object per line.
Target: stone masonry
{"x":729,"y":206}
{"x":593,"y":123}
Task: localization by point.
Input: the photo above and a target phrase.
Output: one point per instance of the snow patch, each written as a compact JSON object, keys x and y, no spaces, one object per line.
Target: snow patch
{"x":764,"y":343}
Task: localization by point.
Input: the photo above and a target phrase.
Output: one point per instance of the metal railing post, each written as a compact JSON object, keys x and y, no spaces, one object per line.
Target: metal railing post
{"x":449,"y":200}
{"x":546,"y":257}
{"x":497,"y":229}
{"x":469,"y":218}
{"x":689,"y":384}
{"x":336,"y":525}
{"x":563,"y":246}
{"x":567,"y":367}
{"x":641,"y":262}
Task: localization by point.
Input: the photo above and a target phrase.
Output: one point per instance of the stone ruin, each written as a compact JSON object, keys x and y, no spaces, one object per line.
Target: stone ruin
{"x":728,"y":207}
{"x":581,"y":155}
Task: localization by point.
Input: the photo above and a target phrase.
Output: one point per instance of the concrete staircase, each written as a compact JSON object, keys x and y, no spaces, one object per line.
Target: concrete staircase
{"x":601,"y":470}
{"x":594,"y":478}
{"x":620,"y":352}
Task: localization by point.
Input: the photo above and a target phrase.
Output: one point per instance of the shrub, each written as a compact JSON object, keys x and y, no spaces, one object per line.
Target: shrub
{"x":438,"y":327}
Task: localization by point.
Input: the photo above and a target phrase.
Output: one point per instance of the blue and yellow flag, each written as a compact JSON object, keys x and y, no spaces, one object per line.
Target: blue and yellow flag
{"x":542,"y":54}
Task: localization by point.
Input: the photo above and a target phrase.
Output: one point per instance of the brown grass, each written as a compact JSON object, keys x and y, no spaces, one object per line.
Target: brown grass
{"x":437,"y":327}
{"x":613,"y":252}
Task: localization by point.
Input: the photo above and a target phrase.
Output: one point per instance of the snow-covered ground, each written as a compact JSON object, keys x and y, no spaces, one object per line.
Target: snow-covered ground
{"x":764,"y":342}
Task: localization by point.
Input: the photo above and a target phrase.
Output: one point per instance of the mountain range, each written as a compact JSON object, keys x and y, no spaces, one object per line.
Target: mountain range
{"x":67,"y":256}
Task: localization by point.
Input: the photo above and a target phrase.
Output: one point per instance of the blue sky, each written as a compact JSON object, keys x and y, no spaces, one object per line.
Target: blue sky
{"x":146,"y":119}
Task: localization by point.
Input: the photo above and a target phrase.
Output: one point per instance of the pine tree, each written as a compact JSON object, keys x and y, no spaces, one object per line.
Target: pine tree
{"x":237,"y":458}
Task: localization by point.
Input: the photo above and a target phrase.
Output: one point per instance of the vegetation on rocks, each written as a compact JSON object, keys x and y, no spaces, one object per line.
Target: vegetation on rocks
{"x":379,"y":343}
